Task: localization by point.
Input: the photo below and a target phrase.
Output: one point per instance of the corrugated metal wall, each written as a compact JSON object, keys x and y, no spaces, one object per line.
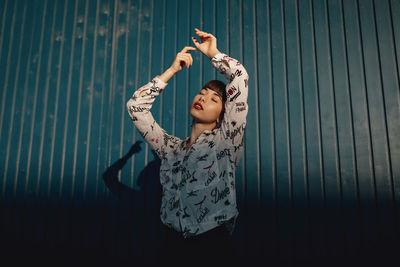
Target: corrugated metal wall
{"x":320,"y":175}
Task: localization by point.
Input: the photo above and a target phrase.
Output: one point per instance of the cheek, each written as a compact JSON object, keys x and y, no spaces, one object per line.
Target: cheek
{"x":215,"y":111}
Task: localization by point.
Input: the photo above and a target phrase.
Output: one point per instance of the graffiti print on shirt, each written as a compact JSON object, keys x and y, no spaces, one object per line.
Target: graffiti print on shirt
{"x":187,"y":233}
{"x":188,"y":176}
{"x":223,"y":153}
{"x":211,"y":144}
{"x":211,"y":177}
{"x":240,"y":106}
{"x":220,"y":219}
{"x":134,"y":109}
{"x":202,"y":211}
{"x":197,"y":182}
{"x":173,"y":204}
{"x":153,"y":88}
{"x":233,"y":92}
{"x":238,"y":147}
{"x":203,"y":157}
{"x":217,"y":195}
{"x":171,"y":139}
{"x":192,"y":193}
{"x":236,"y":133}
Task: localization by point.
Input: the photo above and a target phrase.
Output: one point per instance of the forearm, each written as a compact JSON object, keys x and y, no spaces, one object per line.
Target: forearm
{"x":229,"y":67}
{"x":237,"y":87}
{"x":168,"y":74}
{"x":213,"y":53}
{"x":139,"y":109}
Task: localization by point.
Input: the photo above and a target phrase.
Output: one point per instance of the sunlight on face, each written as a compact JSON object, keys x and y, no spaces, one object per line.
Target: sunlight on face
{"x":206,"y":106}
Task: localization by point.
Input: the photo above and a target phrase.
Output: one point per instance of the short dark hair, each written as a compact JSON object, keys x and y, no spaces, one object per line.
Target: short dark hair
{"x":219,"y":87}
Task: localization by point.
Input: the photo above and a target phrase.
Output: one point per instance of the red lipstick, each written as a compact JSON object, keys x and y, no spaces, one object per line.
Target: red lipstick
{"x":197,"y":105}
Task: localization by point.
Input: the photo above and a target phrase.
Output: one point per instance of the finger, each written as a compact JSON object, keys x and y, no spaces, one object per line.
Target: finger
{"x":181,"y":59}
{"x":187,"y":63}
{"x":187,"y":57}
{"x":196,"y":43}
{"x":184,"y":60}
{"x":188,"y":60}
{"x":198,"y":31}
{"x":203,"y":34}
{"x":195,"y":40}
{"x":188,"y":48}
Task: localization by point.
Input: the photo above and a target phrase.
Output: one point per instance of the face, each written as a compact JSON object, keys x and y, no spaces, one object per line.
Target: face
{"x":206,"y":106}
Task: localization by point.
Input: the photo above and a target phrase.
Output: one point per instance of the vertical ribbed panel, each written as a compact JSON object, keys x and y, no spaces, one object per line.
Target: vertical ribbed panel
{"x":320,"y":174}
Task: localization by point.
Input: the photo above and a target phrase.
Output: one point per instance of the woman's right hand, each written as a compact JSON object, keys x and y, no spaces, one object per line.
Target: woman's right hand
{"x":182,"y":59}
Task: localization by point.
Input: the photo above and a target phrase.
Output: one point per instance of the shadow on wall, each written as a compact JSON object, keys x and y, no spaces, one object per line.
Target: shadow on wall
{"x":121,"y":231}
{"x":139,"y":242}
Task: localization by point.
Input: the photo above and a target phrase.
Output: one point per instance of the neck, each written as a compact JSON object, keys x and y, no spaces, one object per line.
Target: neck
{"x":197,"y":129}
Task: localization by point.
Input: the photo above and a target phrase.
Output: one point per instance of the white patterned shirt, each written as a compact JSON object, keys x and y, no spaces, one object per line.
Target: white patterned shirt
{"x":198,"y":184}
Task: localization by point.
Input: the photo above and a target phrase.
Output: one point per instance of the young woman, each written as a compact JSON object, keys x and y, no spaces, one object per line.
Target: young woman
{"x":197,"y":173}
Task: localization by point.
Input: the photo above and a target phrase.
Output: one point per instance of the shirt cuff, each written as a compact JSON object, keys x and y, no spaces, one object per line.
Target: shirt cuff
{"x":160,"y":83}
{"x":218,"y":57}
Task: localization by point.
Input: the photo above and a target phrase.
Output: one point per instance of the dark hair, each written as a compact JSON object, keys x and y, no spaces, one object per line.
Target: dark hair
{"x":219,"y":88}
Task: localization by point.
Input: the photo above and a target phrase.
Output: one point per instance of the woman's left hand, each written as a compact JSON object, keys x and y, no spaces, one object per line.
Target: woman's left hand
{"x":208,"y":45}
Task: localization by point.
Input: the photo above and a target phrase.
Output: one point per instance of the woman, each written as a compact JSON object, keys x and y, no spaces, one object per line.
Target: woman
{"x":197,"y":173}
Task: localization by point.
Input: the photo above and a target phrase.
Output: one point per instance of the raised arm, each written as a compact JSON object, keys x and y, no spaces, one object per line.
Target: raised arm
{"x":236,"y":90}
{"x":140,"y":103}
{"x":182,"y":59}
{"x":236,"y":107}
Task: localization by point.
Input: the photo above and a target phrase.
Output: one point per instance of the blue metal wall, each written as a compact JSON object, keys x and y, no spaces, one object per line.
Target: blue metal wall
{"x":320,"y":175}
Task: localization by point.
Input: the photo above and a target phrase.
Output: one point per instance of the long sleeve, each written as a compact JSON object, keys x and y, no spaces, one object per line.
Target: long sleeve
{"x":236,"y":107}
{"x":139,"y":106}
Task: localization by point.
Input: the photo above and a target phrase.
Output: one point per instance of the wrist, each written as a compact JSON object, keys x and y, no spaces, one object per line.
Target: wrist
{"x":213,"y":53}
{"x":172,"y":70}
{"x":168,"y":74}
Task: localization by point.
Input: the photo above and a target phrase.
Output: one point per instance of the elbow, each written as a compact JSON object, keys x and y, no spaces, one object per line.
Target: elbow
{"x":129,"y":104}
{"x":245,"y":74}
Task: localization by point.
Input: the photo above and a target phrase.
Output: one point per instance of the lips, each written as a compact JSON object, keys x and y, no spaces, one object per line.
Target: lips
{"x":198,"y":106}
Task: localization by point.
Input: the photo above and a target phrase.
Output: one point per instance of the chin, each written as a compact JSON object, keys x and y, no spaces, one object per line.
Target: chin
{"x":194,"y":113}
{"x":198,"y":118}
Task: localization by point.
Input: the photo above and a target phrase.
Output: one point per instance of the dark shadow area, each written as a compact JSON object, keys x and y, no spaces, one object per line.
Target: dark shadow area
{"x":140,"y":232}
{"x":121,"y":229}
{"x":126,"y":224}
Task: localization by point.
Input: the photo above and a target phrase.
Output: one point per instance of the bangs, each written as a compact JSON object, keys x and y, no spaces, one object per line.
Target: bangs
{"x":218,"y":87}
